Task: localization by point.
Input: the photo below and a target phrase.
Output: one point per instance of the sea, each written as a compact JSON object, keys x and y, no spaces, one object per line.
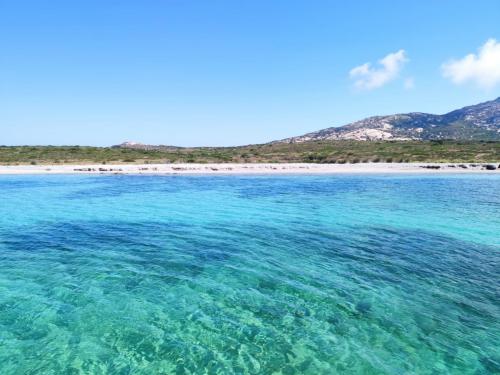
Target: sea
{"x":305,"y":274}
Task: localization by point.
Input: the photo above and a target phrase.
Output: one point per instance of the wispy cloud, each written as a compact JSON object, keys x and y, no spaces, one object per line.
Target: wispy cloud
{"x":481,"y":69}
{"x":368,"y":78}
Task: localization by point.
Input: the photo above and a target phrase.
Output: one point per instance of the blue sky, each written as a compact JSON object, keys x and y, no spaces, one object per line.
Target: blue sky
{"x":215,"y":72}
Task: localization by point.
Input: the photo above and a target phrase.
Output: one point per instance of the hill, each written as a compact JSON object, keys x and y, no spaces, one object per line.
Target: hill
{"x":476,"y":122}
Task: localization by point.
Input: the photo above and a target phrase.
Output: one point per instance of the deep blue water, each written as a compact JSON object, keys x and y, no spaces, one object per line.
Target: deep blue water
{"x":250,"y":275}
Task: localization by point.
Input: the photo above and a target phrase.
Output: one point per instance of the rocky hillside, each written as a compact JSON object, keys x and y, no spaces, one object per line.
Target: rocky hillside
{"x":476,"y":122}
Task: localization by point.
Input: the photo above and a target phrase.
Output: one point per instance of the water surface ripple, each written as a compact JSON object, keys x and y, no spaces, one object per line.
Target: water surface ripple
{"x":249,"y":275}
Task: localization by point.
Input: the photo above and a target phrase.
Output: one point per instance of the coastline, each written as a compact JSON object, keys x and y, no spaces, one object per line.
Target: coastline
{"x":249,"y":168}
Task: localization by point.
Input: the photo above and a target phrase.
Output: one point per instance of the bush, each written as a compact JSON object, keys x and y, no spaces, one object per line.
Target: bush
{"x":375,"y":160}
{"x":128,"y":160}
{"x":33,"y":162}
{"x":316,"y":158}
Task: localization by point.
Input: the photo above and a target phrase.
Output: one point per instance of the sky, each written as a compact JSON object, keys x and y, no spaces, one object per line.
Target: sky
{"x":221,"y":73}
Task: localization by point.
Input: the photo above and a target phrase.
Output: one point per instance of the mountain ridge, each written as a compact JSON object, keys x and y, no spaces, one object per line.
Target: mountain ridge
{"x":475,"y":122}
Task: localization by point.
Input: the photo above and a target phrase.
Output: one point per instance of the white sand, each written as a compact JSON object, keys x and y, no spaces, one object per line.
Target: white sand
{"x":284,"y":168}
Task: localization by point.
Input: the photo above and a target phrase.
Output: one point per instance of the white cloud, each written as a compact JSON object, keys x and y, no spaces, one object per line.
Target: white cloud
{"x":482,"y":69}
{"x":368,"y":78}
{"x":409,"y":83}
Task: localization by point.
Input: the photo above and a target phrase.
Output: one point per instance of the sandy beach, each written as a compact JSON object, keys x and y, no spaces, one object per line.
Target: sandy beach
{"x":288,"y":168}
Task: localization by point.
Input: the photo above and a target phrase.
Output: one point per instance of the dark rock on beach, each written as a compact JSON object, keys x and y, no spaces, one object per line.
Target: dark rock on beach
{"x":431,"y":166}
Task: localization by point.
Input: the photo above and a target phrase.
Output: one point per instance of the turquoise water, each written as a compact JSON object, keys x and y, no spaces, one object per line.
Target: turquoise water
{"x":249,"y":275}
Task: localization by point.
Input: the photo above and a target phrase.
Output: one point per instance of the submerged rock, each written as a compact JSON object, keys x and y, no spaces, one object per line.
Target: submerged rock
{"x":333,"y":320}
{"x":302,"y":312}
{"x":363,"y":307}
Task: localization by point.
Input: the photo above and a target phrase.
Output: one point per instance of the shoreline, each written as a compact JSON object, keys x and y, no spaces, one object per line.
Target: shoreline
{"x":249,"y":168}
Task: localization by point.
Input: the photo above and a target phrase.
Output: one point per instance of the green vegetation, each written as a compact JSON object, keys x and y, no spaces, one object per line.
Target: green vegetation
{"x":309,"y":152}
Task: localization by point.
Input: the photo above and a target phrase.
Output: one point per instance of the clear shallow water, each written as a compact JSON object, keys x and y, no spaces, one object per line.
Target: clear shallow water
{"x":249,"y":275}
